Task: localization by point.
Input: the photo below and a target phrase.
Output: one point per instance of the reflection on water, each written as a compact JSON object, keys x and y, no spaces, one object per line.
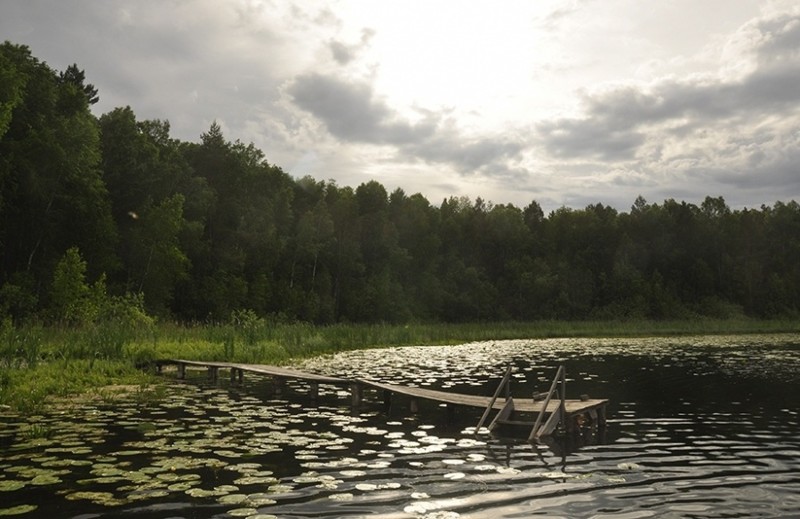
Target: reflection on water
{"x":699,"y":427}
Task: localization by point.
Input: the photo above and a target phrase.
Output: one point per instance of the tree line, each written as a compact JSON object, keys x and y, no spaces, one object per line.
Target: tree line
{"x":112,"y":208}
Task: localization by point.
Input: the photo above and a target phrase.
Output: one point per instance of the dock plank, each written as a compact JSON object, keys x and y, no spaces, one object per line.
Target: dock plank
{"x":445,"y":397}
{"x":520,"y":405}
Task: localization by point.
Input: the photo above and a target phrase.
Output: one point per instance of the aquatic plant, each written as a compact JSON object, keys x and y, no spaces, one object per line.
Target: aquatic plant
{"x":41,"y":361}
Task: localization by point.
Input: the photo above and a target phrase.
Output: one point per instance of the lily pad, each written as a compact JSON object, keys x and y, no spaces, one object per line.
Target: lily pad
{"x":98,"y":498}
{"x":18,"y":510}
{"x":200,"y":492}
{"x":341,"y":497}
{"x":260,"y":500}
{"x":232,"y":499}
{"x":10,"y":485}
{"x":183,"y":486}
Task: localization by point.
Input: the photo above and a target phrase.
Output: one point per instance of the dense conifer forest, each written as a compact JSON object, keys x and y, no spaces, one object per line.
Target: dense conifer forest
{"x":102,"y":213}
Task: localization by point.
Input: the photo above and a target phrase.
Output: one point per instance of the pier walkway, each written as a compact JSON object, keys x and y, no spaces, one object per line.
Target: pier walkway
{"x":567,"y":412}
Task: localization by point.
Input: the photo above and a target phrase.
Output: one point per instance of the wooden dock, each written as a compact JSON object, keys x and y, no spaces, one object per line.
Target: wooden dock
{"x":569,"y":413}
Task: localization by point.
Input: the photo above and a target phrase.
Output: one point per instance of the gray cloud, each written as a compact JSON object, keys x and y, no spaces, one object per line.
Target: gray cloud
{"x":776,"y":38}
{"x":189,"y":62}
{"x":556,"y":16}
{"x":685,"y":138}
{"x":736,"y":133}
{"x":344,"y":53}
{"x":617,"y":123}
{"x":351,"y":112}
{"x":487,"y":155}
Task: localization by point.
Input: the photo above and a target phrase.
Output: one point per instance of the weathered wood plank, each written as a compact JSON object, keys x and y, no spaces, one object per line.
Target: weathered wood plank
{"x":548,"y":427}
{"x":503,"y":383}
{"x":504,"y":413}
{"x":521,"y":405}
{"x":357,"y":386}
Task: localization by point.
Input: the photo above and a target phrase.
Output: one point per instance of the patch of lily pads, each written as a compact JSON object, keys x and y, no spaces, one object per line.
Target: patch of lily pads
{"x":250,"y":456}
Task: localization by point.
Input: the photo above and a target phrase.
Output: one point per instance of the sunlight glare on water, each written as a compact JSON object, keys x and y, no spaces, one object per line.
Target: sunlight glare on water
{"x":698,"y":427}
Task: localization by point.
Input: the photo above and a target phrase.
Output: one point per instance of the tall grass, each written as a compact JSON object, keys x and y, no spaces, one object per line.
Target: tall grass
{"x":37,"y":362}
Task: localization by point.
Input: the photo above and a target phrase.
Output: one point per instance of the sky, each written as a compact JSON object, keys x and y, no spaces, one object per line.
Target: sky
{"x":565,"y":102}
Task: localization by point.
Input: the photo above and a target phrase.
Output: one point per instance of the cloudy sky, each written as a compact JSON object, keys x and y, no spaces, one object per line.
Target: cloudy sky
{"x":566,"y":102}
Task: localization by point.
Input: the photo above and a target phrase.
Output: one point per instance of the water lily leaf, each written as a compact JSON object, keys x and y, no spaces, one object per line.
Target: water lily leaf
{"x":142,"y":494}
{"x":98,"y":498}
{"x":182,"y":486}
{"x":256,"y":480}
{"x":199,"y":492}
{"x":45,"y":479}
{"x":244,"y":468}
{"x":18,"y":510}
{"x":226,"y":488}
{"x":341,"y":497}
{"x":232,"y":499}
{"x":260,"y":500}
{"x":10,"y":485}
{"x":280,"y":489}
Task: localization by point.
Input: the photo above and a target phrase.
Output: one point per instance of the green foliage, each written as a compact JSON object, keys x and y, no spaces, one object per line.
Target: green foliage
{"x":68,"y":362}
{"x":20,"y":347}
{"x":248,"y":325}
{"x":29,"y":390}
{"x":12,"y":83}
{"x":18,"y":297}
{"x":73,"y":300}
{"x":212,"y":232}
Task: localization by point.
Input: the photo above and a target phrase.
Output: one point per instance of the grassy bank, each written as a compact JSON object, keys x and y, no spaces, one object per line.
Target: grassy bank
{"x":38,"y":363}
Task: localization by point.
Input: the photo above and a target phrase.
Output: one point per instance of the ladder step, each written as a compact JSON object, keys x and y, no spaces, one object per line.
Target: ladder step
{"x":515,"y":422}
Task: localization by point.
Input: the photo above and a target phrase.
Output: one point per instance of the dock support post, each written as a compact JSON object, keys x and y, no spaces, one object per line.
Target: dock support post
{"x":313,"y":390}
{"x":413,"y":405}
{"x":450,"y":412}
{"x":181,"y":370}
{"x":213,"y":373}
{"x":387,"y":400}
{"x":601,"y":417}
{"x":278,"y":384}
{"x":566,"y":421}
{"x":357,"y":393}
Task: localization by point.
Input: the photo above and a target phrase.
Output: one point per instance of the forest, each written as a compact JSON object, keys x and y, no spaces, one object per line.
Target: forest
{"x":103,"y":214}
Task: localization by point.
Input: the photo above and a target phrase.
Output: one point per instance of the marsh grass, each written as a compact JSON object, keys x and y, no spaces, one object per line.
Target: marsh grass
{"x":37,"y":431}
{"x":39,"y":363}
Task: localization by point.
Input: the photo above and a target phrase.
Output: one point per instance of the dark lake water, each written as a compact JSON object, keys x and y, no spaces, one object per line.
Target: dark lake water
{"x":698,"y":427}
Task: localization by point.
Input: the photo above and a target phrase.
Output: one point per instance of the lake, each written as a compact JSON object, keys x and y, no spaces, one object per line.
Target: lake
{"x":698,"y":427}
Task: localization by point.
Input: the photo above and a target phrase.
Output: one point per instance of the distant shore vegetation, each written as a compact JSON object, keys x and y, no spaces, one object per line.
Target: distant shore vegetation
{"x":109,"y":218}
{"x":120,"y":245}
{"x":45,"y":365}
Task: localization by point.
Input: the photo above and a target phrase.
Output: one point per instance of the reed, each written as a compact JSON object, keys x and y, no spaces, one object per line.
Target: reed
{"x":39,"y":363}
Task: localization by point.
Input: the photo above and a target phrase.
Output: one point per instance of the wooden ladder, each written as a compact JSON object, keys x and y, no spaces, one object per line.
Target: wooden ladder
{"x":508,"y":408}
{"x":559,"y":415}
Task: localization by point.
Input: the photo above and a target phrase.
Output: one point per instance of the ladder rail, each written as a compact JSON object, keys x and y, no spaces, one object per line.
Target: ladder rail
{"x":559,"y":376}
{"x":489,"y":407}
